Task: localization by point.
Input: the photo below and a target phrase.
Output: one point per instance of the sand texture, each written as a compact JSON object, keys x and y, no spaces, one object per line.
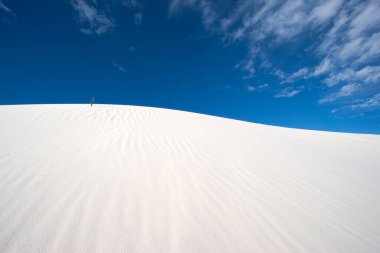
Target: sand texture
{"x":108,"y":178}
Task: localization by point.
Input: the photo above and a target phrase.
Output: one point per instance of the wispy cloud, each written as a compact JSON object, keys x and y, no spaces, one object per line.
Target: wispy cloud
{"x":5,"y":8}
{"x":119,"y":67}
{"x":345,"y":46}
{"x":301,"y":73}
{"x":207,"y":8}
{"x":359,"y":107}
{"x":263,"y":23}
{"x":344,"y":91}
{"x":259,"y":87}
{"x":251,"y":88}
{"x":368,"y":74}
{"x":324,"y":67}
{"x":368,"y":104}
{"x":137,"y":8}
{"x":138,"y":18}
{"x":92,"y":20}
{"x":288,"y":92}
{"x":278,"y":21}
{"x":225,"y":87}
{"x":131,"y":3}
{"x":248,"y":67}
{"x":352,"y":45}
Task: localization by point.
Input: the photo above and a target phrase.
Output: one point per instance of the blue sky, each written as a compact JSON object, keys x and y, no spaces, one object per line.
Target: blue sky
{"x":303,"y":64}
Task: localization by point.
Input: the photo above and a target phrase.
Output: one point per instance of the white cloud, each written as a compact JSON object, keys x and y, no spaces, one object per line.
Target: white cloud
{"x":368,"y":74}
{"x":260,"y":87}
{"x":248,"y":67}
{"x":289,"y":92}
{"x":277,"y":20}
{"x":354,"y":37}
{"x":92,"y":20}
{"x":348,"y":89}
{"x":251,"y":88}
{"x":323,"y":67}
{"x":368,"y":104}
{"x":301,"y":73}
{"x":325,"y":11}
{"x":280,"y":74}
{"x":344,"y":91}
{"x":263,"y":86}
{"x":366,"y":18}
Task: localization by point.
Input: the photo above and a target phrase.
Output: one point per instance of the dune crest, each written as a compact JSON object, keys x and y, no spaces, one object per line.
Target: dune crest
{"x":109,"y":178}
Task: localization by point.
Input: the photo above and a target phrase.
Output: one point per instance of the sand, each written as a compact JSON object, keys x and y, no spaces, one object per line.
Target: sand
{"x":109,"y":178}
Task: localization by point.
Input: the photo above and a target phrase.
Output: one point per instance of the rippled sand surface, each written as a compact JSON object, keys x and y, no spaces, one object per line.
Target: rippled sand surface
{"x":108,"y":178}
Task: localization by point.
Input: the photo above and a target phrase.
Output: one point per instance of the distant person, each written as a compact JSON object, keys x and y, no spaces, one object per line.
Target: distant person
{"x":92,"y":101}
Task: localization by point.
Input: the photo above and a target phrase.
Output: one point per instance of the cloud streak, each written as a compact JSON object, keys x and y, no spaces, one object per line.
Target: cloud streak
{"x":368,"y":104}
{"x":119,"y":67}
{"x":288,"y":92}
{"x":344,"y":91}
{"x":5,"y":8}
{"x":92,"y":20}
{"x":259,"y":88}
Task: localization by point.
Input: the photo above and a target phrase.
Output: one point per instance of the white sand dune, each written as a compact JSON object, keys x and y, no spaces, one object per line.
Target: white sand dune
{"x":75,"y":178}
